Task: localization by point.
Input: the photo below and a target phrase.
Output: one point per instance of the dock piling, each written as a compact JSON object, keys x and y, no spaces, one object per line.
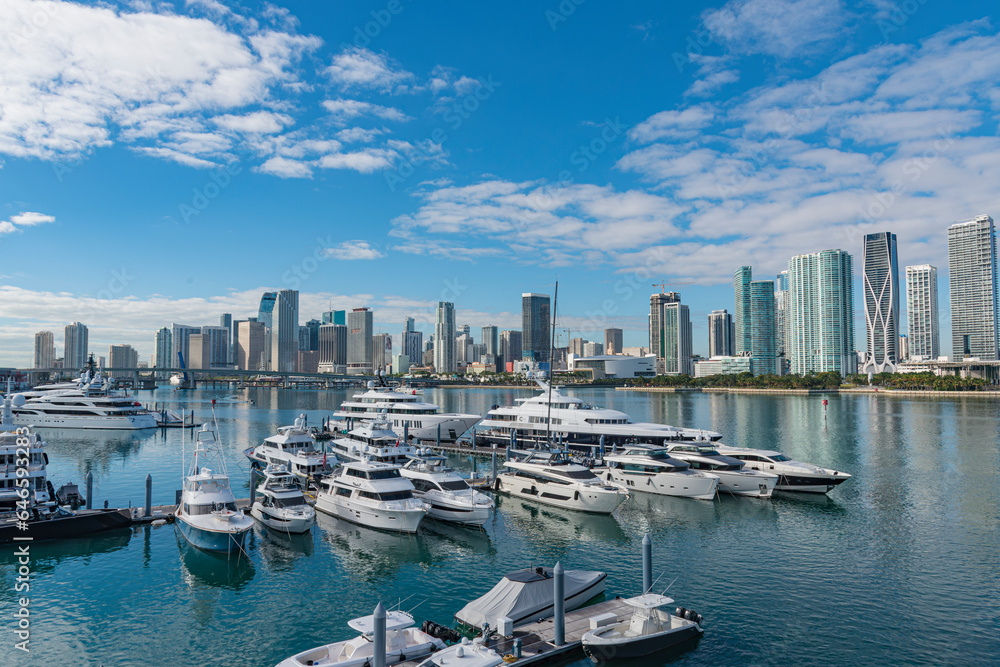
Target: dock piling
{"x":149,"y":496}
{"x":647,"y":564}
{"x":406,"y":432}
{"x":494,"y":465}
{"x":602,"y":446}
{"x":439,"y":434}
{"x":90,"y":490}
{"x":559,"y":602}
{"x":379,"y":638}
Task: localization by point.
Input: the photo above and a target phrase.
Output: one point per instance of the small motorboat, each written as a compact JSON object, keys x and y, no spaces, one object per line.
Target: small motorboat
{"x":402,"y":642}
{"x":279,"y":503}
{"x":69,"y":494}
{"x":465,"y":654}
{"x":649,"y":629}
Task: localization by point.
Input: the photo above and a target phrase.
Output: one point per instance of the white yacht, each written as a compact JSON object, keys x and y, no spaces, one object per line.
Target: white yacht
{"x":16,"y":445}
{"x":402,"y":642}
{"x":733,"y":476}
{"x":792,"y":475}
{"x":580,"y":425}
{"x":279,"y":503}
{"x":653,"y":470}
{"x":406,"y":410}
{"x":295,"y":448}
{"x":448,"y":494}
{"x":92,"y":403}
{"x":550,"y":478}
{"x":373,"y":495}
{"x":207,"y":515}
{"x":373,"y":440}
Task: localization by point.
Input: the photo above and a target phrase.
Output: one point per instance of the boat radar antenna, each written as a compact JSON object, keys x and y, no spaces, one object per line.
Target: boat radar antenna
{"x":552,"y":357}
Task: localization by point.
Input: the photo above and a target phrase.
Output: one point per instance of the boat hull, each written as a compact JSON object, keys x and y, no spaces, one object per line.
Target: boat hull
{"x":216,"y":541}
{"x":465,"y":515}
{"x":297,"y":525}
{"x":127,"y":423}
{"x":701,"y":487}
{"x":392,"y":520}
{"x":556,"y":495}
{"x":806,"y":484}
{"x":81,"y":524}
{"x":600,"y":649}
{"x":739,"y":483}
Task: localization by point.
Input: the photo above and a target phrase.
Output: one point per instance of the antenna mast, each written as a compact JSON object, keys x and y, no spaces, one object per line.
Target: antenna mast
{"x":552,"y":359}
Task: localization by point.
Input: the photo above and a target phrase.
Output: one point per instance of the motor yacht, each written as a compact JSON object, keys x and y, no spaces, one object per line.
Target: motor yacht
{"x":549,"y":477}
{"x":375,"y":441}
{"x":293,"y":447}
{"x":792,"y":475}
{"x":22,"y":462}
{"x":371,"y":494}
{"x":648,"y":629}
{"x":733,"y":475}
{"x":279,"y":503}
{"x":447,"y":494}
{"x":91,"y":403}
{"x":653,"y":470}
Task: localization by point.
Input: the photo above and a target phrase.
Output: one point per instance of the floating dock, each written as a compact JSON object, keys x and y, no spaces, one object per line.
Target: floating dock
{"x":166,"y":512}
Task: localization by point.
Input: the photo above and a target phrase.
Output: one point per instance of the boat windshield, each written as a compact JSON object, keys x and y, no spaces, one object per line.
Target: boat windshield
{"x":391,"y":473}
{"x":456,"y":485}
{"x":654,"y":454}
{"x":291,"y":501}
{"x":779,"y":458}
{"x":572,"y":474}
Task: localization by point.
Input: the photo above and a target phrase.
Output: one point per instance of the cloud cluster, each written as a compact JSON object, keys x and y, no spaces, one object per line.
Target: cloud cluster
{"x":25,"y":219}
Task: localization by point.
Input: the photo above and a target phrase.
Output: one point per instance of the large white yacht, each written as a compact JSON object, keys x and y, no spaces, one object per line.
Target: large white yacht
{"x":580,"y":425}
{"x":549,"y":477}
{"x":279,"y":503}
{"x":792,"y":475}
{"x":373,"y":495}
{"x":405,"y":409}
{"x":734,"y":476}
{"x":91,"y":403}
{"x":653,"y":470}
{"x":448,"y":495}
{"x":295,"y":448}
{"x":375,"y":441}
{"x":14,"y":442}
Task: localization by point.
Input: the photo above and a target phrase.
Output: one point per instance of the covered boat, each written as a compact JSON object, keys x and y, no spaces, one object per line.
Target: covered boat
{"x":527,"y":595}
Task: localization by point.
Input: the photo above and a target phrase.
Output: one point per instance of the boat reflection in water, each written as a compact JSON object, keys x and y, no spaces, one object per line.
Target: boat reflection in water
{"x":549,"y":525}
{"x":280,"y":550}
{"x":371,"y":554}
{"x":211,"y":569}
{"x":47,"y":556}
{"x":457,"y":538}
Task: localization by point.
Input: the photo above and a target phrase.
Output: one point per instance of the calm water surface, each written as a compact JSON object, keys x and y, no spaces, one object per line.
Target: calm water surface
{"x":900,"y":565}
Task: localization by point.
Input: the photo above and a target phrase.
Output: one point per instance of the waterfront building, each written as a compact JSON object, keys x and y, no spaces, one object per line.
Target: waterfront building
{"x":741,"y":318}
{"x":880,"y":282}
{"x":576,"y":346}
{"x":303,"y":338}
{"x":762,"y":328}
{"x":381,"y":352}
{"x":463,"y":349}
{"x":972,"y":268}
{"x":614,"y":366}
{"x":720,"y":334}
{"x":412,"y":344}
{"x":904,"y":348}
{"x":724,"y":365}
{"x":313,"y":326}
{"x":780,"y":313}
{"x":226,"y":320}
{"x":491,"y":340}
{"x":510,"y":346}
{"x":285,"y":331}
{"x":444,"y":338}
{"x":162,"y":348}
{"x":251,"y":353}
{"x":922,"y":311}
{"x":820,"y":316}
{"x":217,"y":339}
{"x":400,"y":363}
{"x":670,"y":334}
{"x":199,"y":354}
{"x":45,"y":349}
{"x":123,"y":356}
{"x":266,"y":308}
{"x":635,"y":351}
{"x":593,"y":349}
{"x":333,"y":348}
{"x":613,"y":341}
{"x":536,"y":339}
{"x":75,"y":346}
{"x":359,"y":342}
{"x":180,"y":337}
{"x":307,"y":361}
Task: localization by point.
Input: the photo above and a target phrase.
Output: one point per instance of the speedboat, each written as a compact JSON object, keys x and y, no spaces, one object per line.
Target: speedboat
{"x":465,"y":654}
{"x":406,"y":411}
{"x":207,"y":515}
{"x":279,"y":503}
{"x":373,"y":495}
{"x":402,"y":642}
{"x":650,"y":628}
{"x":792,"y":475}
{"x":373,"y":441}
{"x":295,"y":448}
{"x":653,"y":470}
{"x":733,"y":476}
{"x":447,"y":494}
{"x":552,"y":479}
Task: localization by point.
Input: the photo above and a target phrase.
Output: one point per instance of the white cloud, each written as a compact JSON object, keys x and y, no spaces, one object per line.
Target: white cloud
{"x":285,"y":168}
{"x":349,"y":250}
{"x":783,"y":28}
{"x":257,"y":122}
{"x":365,"y":161}
{"x":675,"y":124}
{"x":352,"y":135}
{"x":24,"y":219}
{"x":344,"y":110}
{"x":360,"y":68}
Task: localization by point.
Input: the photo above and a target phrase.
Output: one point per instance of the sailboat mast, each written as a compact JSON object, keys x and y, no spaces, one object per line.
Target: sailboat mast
{"x":552,"y":358}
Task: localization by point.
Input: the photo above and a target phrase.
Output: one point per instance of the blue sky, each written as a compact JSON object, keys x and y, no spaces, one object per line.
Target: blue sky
{"x":168,"y":162}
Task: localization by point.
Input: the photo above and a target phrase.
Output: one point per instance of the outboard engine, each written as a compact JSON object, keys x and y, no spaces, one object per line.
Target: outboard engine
{"x":679,"y":612}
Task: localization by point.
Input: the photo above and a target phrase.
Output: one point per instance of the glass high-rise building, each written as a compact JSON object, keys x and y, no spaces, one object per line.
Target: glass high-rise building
{"x":820,"y":316}
{"x":780,"y":311}
{"x":510,"y":345}
{"x":491,"y":340}
{"x":180,"y":338}
{"x":613,"y":341}
{"x":536,"y":341}
{"x":670,"y":334}
{"x":45,"y":350}
{"x":763,"y":337}
{"x":226,"y":320}
{"x":720,"y":334}
{"x":741,"y":318}
{"x":162,"y":345}
{"x":880,"y":281}
{"x":359,"y":341}
{"x":267,"y":301}
{"x":251,"y":353}
{"x":445,"y":360}
{"x":923,"y":327}
{"x":75,"y":346}
{"x":333,"y":348}
{"x":285,"y":332}
{"x":972,"y":269}
{"x":335,"y":317}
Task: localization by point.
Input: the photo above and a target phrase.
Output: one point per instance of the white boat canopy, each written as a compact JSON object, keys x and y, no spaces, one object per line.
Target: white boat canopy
{"x":649,"y":601}
{"x":394,"y":620}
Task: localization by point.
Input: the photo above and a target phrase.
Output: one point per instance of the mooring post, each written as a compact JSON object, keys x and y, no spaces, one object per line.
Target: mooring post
{"x":406,"y":432}
{"x":602,"y":446}
{"x":473,"y":439}
{"x":558,"y":602}
{"x":90,"y":490}
{"x":149,"y":496}
{"x":379,"y":638}
{"x":647,"y":564}
{"x":439,"y":435}
{"x":494,"y":465}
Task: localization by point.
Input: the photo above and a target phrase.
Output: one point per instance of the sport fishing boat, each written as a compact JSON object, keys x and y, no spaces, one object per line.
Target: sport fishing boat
{"x":792,"y":475}
{"x":650,"y":628}
{"x":371,"y":494}
{"x":374,"y":441}
{"x":279,"y":503}
{"x":405,"y":410}
{"x":293,"y":447}
{"x":402,"y":642}
{"x":653,"y":470}
{"x":549,"y":477}
{"x":447,"y":494}
{"x":733,"y":475}
{"x":578,"y":424}
{"x":207,"y":515}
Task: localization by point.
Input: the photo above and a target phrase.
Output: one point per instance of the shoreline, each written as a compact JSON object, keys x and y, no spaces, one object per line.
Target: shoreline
{"x":990,"y":393}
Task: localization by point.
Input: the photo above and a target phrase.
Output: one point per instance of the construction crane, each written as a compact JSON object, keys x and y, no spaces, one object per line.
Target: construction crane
{"x":663,"y":286}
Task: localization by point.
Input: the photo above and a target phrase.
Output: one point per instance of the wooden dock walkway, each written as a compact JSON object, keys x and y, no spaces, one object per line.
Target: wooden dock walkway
{"x":537,"y":638}
{"x":167,"y":512}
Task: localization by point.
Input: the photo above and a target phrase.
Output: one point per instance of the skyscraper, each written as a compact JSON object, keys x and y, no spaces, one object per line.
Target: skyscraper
{"x":444,"y":338}
{"x":670,"y":334}
{"x":780,"y":313}
{"x":226,"y":320}
{"x":741,"y":318}
{"x":881,"y":287}
{"x":75,"y":346}
{"x":535,"y":322}
{"x":335,"y":317}
{"x":613,"y":341}
{"x":333,"y":348}
{"x":180,"y":335}
{"x":463,"y":349}
{"x":720,"y":334}
{"x":123,"y":356}
{"x":411,"y":341}
{"x":285,"y":331}
{"x":251,"y":355}
{"x":381,"y":352}
{"x":162,"y":354}
{"x":359,"y":342}
{"x":267,"y":301}
{"x":491,"y":339}
{"x":217,"y":340}
{"x":313,"y":326}
{"x":45,"y":349}
{"x":820,"y":316}
{"x":922,"y":311}
{"x":762,"y":330}
{"x":972,"y":268}
{"x":510,"y":345}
